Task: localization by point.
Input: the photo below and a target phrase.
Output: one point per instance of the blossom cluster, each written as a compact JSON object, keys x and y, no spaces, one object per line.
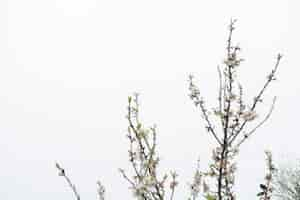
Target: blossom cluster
{"x":145,"y":183}
{"x":234,"y":115}
{"x":267,"y":188}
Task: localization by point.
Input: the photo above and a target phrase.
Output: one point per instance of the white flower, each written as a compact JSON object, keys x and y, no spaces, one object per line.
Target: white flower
{"x":232,"y":61}
{"x":149,"y":180}
{"x":138,"y":190}
{"x":232,"y":97}
{"x":143,"y":133}
{"x":195,"y":92}
{"x":249,"y":115}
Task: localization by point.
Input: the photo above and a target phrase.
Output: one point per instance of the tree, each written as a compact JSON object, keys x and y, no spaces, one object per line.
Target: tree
{"x":287,"y":182}
{"x":230,"y":123}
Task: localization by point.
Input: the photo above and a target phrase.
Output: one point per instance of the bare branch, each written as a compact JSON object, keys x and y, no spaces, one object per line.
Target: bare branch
{"x":62,"y":173}
{"x":126,"y":177}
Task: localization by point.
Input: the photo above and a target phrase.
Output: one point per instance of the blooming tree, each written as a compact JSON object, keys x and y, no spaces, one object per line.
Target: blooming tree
{"x":233,"y":115}
{"x":230,"y":123}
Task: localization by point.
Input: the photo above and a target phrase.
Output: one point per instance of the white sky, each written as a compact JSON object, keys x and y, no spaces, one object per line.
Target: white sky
{"x":67,"y":67}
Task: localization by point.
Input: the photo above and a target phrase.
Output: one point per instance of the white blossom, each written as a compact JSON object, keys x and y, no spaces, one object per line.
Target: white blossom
{"x":249,"y":115}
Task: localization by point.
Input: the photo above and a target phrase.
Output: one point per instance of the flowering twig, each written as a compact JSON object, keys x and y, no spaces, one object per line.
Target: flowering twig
{"x":143,"y":158}
{"x":195,"y":186}
{"x":267,"y":188}
{"x":258,"y":98}
{"x":195,"y":96}
{"x":234,"y":116}
{"x":247,"y":135}
{"x":173,"y":184}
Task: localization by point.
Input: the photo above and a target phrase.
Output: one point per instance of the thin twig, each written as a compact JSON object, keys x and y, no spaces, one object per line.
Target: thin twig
{"x":126,"y":177}
{"x":62,"y":173}
{"x":220,"y":94}
{"x":210,"y":127}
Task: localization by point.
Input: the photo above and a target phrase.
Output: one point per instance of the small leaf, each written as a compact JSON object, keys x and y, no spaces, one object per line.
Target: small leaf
{"x":260,"y":194}
{"x":263,"y":187}
{"x":210,"y":197}
{"x":57,"y":166}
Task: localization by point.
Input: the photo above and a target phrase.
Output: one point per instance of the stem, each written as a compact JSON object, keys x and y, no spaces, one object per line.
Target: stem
{"x":224,"y":145}
{"x":71,"y":185}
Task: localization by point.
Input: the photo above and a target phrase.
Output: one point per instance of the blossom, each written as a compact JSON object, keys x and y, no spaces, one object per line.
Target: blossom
{"x":149,"y":180}
{"x":195,"y":92}
{"x":138,"y":191}
{"x":232,"y":97}
{"x":143,"y":133}
{"x":249,"y":115}
{"x":232,"y":62}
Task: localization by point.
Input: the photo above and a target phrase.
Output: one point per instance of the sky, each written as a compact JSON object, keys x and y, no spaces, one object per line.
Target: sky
{"x":68,"y":66}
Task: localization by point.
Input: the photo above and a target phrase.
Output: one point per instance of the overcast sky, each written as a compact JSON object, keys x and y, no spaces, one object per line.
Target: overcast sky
{"x":67,"y":67}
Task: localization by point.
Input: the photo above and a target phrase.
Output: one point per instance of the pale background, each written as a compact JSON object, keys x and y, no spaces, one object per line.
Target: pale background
{"x":67,"y":67}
